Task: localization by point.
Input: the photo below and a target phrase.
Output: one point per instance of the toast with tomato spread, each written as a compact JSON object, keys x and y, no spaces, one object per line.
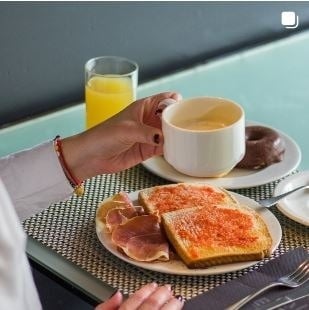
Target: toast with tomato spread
{"x":166,"y":198}
{"x":216,"y":234}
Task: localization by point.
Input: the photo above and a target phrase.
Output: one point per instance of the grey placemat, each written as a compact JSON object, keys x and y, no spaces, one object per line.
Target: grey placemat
{"x":226,"y":295}
{"x":69,"y":229}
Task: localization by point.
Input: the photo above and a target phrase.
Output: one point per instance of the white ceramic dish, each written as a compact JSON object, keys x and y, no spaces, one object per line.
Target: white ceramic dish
{"x":178,"y":267}
{"x":237,"y":178}
{"x":295,"y":206}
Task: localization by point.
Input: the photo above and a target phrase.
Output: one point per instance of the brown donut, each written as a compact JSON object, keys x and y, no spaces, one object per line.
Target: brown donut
{"x":264,"y":147}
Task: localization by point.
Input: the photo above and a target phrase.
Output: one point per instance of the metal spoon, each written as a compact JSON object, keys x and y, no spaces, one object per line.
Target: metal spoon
{"x":273,"y":200}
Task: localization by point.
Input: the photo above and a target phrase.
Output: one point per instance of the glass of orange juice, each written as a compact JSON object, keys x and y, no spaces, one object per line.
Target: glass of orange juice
{"x":110,"y":86}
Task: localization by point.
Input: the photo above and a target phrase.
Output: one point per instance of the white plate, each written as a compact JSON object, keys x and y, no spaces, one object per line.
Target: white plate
{"x":295,"y":206}
{"x":237,"y":178}
{"x":178,"y":267}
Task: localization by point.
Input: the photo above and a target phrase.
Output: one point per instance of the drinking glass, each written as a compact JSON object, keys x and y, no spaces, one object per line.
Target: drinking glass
{"x":110,"y":86}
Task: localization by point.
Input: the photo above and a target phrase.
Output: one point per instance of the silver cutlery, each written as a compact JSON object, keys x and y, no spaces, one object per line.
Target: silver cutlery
{"x":288,"y":302}
{"x":273,"y":200}
{"x":292,"y":280}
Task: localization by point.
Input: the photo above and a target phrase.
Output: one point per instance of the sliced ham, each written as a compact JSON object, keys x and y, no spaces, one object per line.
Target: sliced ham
{"x":141,"y":238}
{"x":148,"y":248}
{"x":122,"y":197}
{"x":120,"y":200}
{"x":137,"y":234}
{"x":119,"y":216}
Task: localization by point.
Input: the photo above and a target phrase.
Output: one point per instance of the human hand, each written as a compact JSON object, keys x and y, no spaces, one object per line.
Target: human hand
{"x":150,"y":296}
{"x":126,"y":139}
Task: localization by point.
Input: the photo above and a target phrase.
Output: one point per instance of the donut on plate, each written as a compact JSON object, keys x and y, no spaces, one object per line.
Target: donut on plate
{"x":264,"y":147}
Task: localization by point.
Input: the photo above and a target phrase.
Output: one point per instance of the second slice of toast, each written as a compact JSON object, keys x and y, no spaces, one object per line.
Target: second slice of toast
{"x":214,"y":235}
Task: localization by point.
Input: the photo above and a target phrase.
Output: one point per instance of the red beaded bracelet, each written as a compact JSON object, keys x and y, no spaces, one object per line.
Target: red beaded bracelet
{"x":77,"y":185}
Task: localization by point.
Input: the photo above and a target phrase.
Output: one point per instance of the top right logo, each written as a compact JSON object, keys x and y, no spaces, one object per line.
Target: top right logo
{"x":289,"y":19}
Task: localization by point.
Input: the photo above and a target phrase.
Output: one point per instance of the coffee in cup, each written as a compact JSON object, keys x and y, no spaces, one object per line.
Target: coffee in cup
{"x":204,"y":136}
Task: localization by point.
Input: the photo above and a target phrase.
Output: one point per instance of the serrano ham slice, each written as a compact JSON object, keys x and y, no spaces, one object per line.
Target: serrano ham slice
{"x":119,"y":216}
{"x":141,"y":238}
{"x":148,"y":248}
{"x":122,"y":197}
{"x":118,"y":201}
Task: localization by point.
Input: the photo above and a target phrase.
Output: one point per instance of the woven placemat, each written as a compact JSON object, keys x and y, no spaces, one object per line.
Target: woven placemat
{"x":69,"y":229}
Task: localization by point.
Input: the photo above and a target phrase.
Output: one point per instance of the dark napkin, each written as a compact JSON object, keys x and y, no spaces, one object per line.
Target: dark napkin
{"x":225,"y":295}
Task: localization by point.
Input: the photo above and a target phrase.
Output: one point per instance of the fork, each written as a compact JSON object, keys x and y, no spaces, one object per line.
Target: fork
{"x":268,"y":202}
{"x":292,"y":280}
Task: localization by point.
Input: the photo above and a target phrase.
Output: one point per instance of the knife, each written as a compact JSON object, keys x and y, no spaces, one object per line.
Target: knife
{"x":273,"y":302}
{"x":288,"y":302}
{"x":296,"y":294}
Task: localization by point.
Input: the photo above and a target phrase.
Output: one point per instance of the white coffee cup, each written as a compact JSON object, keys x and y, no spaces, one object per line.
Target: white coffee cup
{"x":204,"y":136}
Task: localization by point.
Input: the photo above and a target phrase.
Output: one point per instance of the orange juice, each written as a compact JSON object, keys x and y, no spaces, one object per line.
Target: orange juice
{"x":106,"y":96}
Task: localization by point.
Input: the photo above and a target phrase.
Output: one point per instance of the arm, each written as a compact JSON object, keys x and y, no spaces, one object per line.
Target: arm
{"x":17,"y":289}
{"x":34,"y":179}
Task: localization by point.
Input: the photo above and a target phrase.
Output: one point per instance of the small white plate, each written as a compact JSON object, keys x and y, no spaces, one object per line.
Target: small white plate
{"x":177,"y":266}
{"x":237,"y":178}
{"x":295,"y":206}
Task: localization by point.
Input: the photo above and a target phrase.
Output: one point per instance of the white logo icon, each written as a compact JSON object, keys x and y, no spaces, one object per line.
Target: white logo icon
{"x":289,"y":20}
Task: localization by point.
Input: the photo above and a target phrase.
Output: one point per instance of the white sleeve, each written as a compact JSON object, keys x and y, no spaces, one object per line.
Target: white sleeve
{"x":17,"y":288}
{"x":34,"y":179}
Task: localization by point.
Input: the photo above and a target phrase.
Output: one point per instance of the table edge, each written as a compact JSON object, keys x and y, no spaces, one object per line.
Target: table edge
{"x":72,"y":274}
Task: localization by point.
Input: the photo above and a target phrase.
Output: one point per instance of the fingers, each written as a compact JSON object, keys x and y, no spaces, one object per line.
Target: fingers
{"x":145,"y":134}
{"x":147,"y":108}
{"x":175,"y":303}
{"x":175,"y":96}
{"x":158,"y":298}
{"x":166,"y":95}
{"x":135,"y":300}
{"x":165,"y":99}
{"x":149,"y":297}
{"x":148,"y":151}
{"x":152,"y":297}
{"x":154,"y":107}
{"x":113,"y":303}
{"x":165,"y":103}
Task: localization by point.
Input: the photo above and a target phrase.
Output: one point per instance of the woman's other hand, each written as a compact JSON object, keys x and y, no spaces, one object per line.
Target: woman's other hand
{"x":151,"y":296}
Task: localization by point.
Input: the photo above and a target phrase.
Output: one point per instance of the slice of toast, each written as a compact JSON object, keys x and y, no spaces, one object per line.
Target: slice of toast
{"x":166,"y":198}
{"x":216,"y":234}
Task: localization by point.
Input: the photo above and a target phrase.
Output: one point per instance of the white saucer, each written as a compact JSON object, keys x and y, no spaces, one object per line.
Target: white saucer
{"x":237,"y":178}
{"x":295,"y":206}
